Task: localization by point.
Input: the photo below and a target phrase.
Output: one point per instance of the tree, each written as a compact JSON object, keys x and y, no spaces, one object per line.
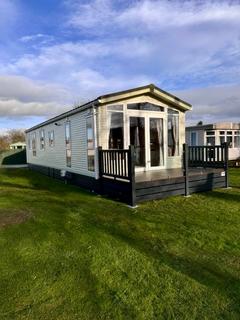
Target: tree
{"x":4,"y":142}
{"x":16,"y":135}
{"x":12,"y":136}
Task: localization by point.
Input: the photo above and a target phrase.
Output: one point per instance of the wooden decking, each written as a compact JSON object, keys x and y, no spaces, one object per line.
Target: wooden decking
{"x":161,"y":184}
{"x":164,"y":174}
{"x":204,"y":168}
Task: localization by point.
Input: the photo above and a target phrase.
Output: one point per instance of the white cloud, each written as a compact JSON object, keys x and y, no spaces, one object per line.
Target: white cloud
{"x":16,"y":108}
{"x":26,"y":90}
{"x":151,"y":14}
{"x":39,"y":38}
{"x":20,"y":96}
{"x":213,"y":104}
{"x":191,"y":39}
{"x":93,"y":83}
{"x":156,"y":15}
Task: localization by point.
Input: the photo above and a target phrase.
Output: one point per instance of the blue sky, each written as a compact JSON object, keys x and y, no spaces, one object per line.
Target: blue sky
{"x":56,"y":54}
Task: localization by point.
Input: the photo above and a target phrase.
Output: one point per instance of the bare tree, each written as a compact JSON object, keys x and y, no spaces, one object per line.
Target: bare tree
{"x":12,"y":136}
{"x":4,"y":142}
{"x":16,"y":135}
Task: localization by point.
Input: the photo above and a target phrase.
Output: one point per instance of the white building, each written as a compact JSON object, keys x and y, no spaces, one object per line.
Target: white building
{"x":17,"y":145}
{"x":216,"y":134}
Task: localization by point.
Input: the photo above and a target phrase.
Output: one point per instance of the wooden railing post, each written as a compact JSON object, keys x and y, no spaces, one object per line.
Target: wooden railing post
{"x":100,"y":163}
{"x":131,"y":174}
{"x":225,"y":146}
{"x":186,"y":168}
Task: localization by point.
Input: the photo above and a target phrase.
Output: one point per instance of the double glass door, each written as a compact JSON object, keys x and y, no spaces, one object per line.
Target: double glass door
{"x":146,"y":134}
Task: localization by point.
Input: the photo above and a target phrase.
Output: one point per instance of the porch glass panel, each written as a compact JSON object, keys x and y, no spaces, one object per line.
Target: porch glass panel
{"x":137,"y":139}
{"x":156,"y":141}
{"x":115,"y":138}
{"x":146,"y":106}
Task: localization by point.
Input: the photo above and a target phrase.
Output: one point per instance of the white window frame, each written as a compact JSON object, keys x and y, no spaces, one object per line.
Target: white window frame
{"x":68,"y":145}
{"x":191,"y":144}
{"x":42,"y":139}
{"x":91,"y":116}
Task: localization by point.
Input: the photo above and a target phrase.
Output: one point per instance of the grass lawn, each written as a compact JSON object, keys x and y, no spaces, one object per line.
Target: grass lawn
{"x":68,"y":254}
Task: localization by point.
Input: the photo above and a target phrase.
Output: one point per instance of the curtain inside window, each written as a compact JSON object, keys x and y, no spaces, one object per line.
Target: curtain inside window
{"x":173,"y":133}
{"x":115,"y":136}
{"x":160,"y":135}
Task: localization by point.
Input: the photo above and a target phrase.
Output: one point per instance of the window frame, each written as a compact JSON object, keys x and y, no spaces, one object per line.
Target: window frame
{"x":110,"y":111}
{"x":210,"y":134}
{"x":34,"y":144}
{"x":173,"y":113}
{"x":196,"y":136}
{"x":51,"y":141}
{"x":42,"y":139}
{"x":90,"y":168}
{"x":68,"y":143}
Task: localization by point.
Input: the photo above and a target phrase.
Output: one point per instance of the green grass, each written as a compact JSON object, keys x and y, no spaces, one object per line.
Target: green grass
{"x":80,"y":256}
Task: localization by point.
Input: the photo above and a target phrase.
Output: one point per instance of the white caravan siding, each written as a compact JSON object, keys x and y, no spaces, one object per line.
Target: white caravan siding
{"x":55,"y":157}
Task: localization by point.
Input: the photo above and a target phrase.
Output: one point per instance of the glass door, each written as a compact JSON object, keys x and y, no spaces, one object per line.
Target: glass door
{"x":156,"y":142}
{"x":137,"y":139}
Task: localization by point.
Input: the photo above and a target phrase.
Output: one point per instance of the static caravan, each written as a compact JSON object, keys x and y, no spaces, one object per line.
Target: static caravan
{"x":17,"y":146}
{"x":127,"y":144}
{"x":216,"y":134}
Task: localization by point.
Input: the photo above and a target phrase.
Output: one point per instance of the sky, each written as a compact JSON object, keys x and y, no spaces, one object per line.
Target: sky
{"x":57,"y":54}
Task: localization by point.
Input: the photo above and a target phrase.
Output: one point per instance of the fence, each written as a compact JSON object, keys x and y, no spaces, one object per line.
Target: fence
{"x":207,"y":156}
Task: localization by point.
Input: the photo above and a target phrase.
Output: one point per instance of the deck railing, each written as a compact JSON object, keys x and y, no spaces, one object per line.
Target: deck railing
{"x":116,"y":163}
{"x":207,"y":156}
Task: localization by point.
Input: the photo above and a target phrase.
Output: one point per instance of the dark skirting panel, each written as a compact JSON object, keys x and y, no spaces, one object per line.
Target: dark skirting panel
{"x":161,"y":189}
{"x":85,"y":182}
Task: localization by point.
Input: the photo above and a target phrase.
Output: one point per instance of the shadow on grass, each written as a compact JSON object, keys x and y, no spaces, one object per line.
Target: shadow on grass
{"x":204,"y":271}
{"x":14,"y":185}
{"x":78,"y":289}
{"x":123,"y":226}
{"x":39,"y":182}
{"x":224,"y":196}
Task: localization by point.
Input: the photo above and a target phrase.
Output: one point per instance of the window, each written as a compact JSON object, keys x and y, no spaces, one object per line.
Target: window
{"x":210,"y":141}
{"x":90,"y":144}
{"x":230,"y":139}
{"x":115,"y":137}
{"x":210,"y":138}
{"x":193,"y":138}
{"x":145,"y":106}
{"x":68,"y":144}
{"x":173,"y":133}
{"x":34,"y":144}
{"x":222,"y":139}
{"x":237,"y":139}
{"x":29,"y":141}
{"x":117,"y":107}
{"x":42,"y":140}
{"x":210,"y":133}
{"x":51,"y":138}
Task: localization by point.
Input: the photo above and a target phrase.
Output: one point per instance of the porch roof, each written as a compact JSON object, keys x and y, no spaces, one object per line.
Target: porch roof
{"x":151,"y":90}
